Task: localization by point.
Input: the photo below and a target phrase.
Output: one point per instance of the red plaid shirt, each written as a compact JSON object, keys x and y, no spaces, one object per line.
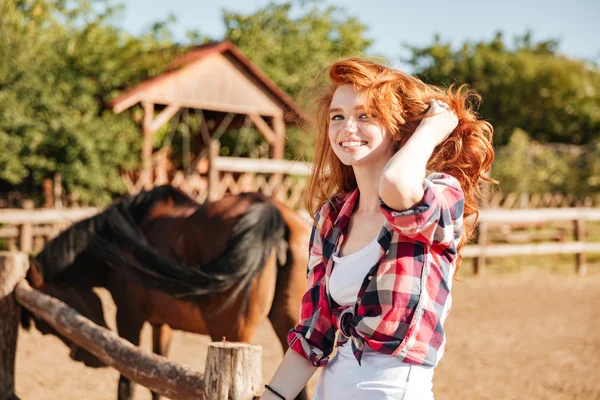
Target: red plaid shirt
{"x":404,"y":298}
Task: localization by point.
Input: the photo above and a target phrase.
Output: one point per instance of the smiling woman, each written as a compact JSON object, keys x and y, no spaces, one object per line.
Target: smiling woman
{"x":396,"y":175}
{"x":355,"y":136}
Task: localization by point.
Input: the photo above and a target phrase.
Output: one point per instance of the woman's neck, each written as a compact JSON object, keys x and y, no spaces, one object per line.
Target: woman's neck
{"x":367,"y":179}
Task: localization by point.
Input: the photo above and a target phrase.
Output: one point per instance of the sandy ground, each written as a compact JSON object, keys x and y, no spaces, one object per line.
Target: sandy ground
{"x":526,"y":336}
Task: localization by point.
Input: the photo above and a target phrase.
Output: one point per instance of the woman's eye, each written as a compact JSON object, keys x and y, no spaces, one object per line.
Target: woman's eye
{"x":363,"y":116}
{"x":337,"y":118}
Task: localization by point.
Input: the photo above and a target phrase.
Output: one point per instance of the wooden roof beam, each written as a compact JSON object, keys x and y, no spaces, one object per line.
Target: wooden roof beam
{"x":264,"y":128}
{"x":163,"y":117}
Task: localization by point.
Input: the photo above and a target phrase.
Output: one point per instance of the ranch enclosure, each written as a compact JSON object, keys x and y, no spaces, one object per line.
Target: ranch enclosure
{"x":520,"y":336}
{"x":502,"y":332}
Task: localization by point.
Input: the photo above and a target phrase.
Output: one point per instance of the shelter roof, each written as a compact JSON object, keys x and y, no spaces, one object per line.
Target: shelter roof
{"x":217,"y":77}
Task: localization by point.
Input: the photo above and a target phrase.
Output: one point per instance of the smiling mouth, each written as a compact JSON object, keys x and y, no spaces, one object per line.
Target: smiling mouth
{"x":354,"y":143}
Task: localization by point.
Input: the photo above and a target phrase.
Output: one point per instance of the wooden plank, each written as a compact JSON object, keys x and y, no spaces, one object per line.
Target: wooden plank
{"x":213,"y":170}
{"x":163,"y":117}
{"x":264,"y":128}
{"x":480,"y":261}
{"x":216,"y":106}
{"x":45,"y":216}
{"x":508,"y":250}
{"x":26,"y":229}
{"x":541,"y":215}
{"x":146,"y":172}
{"x":13,"y":267}
{"x":239,"y":164}
{"x":13,"y":231}
{"x":150,"y":370}
{"x":580,"y":258}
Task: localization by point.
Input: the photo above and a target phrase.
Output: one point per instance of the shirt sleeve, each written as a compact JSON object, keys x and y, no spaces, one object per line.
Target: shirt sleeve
{"x":313,"y":337}
{"x":437,"y":219}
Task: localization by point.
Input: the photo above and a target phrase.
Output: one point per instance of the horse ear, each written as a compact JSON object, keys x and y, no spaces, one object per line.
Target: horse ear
{"x":35,"y":274}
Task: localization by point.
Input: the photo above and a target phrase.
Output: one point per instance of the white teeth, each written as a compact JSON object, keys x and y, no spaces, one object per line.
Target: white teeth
{"x":353,"y":144}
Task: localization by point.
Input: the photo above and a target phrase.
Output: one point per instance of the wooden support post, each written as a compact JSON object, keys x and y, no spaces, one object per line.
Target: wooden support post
{"x":233,"y":371}
{"x":278,"y":151}
{"x":26,"y":230}
{"x":146,"y":174}
{"x":48,"y":192}
{"x":580,"y":260}
{"x":479,"y":262}
{"x":213,"y":172}
{"x":13,"y":267}
{"x":57,"y":192}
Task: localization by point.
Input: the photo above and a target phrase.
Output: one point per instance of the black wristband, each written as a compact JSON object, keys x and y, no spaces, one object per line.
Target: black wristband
{"x":270,"y":389}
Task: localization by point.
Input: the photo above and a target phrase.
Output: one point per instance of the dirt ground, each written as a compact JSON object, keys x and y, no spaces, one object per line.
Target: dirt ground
{"x":518,"y":336}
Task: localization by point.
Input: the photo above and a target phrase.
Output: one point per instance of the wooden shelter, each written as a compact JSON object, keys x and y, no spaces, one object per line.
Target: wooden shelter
{"x":217,"y":78}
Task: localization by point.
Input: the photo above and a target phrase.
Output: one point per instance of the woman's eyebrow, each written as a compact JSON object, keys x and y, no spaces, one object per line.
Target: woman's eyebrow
{"x":337,"y":109}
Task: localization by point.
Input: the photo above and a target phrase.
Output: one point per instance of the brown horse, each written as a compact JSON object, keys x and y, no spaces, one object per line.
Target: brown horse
{"x":218,"y":269}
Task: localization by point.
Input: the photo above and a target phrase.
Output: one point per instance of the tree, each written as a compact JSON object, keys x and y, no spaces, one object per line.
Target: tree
{"x":291,"y":42}
{"x":530,"y":86}
{"x":61,"y":62}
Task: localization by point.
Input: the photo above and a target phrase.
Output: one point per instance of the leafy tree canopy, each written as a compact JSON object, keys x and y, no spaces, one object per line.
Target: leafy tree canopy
{"x":530,"y":86}
{"x":61,"y":61}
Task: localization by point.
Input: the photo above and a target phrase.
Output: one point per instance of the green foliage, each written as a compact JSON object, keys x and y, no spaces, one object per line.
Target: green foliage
{"x":291,"y":42}
{"x":530,"y":86}
{"x":528,"y":166}
{"x":61,"y":62}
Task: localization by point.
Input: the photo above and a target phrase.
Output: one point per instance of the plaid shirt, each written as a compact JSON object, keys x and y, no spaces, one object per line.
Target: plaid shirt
{"x":405,"y":297}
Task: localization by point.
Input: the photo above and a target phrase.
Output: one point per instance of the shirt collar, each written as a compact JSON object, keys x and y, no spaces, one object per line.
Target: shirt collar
{"x":348,"y":204}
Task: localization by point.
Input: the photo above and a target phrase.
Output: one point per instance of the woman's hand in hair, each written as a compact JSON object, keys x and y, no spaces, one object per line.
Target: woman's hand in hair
{"x":401,"y":183}
{"x":439,"y":121}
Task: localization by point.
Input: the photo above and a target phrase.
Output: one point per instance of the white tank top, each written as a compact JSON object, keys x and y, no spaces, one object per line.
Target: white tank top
{"x":349,"y":272}
{"x":380,"y":376}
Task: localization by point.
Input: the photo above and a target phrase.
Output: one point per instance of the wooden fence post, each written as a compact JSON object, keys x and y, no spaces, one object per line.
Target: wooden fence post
{"x":479,"y":262}
{"x":26,"y":234}
{"x":580,"y":261}
{"x":13,"y":267}
{"x":233,"y":371}
{"x":213,"y":172}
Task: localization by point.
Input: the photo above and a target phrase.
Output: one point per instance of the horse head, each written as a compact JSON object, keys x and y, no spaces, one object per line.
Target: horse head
{"x":84,"y":301}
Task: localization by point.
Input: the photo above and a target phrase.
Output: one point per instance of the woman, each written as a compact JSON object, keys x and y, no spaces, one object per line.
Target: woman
{"x":396,"y":177}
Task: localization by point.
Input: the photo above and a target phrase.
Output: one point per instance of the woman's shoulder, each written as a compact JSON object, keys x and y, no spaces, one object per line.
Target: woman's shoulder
{"x":328,"y":211}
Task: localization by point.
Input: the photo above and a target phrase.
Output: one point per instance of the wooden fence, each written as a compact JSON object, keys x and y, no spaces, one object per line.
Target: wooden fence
{"x":27,"y":229}
{"x":493,"y":219}
{"x":521,"y":201}
{"x":497,"y":235}
{"x":233,"y":370}
{"x":285,"y":180}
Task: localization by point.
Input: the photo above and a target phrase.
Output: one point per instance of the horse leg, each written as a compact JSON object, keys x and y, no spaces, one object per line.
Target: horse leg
{"x":129,"y":325}
{"x":161,"y":340}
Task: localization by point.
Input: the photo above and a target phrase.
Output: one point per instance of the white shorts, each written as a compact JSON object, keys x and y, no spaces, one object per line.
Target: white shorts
{"x":379,"y":377}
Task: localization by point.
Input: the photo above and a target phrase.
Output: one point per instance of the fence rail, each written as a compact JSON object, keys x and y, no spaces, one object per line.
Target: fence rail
{"x":491,"y":218}
{"x":28,"y":224}
{"x":233,"y":370}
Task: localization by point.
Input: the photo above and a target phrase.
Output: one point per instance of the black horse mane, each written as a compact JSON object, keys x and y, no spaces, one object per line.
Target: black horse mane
{"x":114,"y":238}
{"x":61,"y":252}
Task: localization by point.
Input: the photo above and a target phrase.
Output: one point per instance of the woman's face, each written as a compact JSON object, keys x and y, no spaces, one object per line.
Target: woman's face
{"x":356,"y":138}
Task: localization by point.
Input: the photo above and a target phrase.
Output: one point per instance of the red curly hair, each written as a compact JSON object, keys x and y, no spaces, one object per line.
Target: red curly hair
{"x":400,"y":101}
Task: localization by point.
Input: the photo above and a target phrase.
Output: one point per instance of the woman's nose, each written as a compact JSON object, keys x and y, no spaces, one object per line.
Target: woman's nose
{"x":350,"y":126}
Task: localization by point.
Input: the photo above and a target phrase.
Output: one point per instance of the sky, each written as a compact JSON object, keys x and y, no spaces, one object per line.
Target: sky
{"x":393,"y":23}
